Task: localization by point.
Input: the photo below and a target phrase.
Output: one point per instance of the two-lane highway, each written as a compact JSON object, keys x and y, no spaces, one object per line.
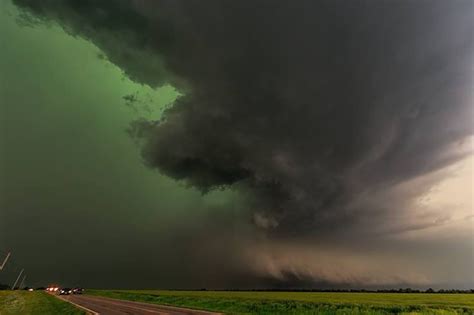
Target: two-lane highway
{"x":108,"y":306}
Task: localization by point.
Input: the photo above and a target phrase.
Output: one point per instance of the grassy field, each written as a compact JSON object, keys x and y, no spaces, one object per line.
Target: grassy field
{"x":34,"y":303}
{"x":230,"y":302}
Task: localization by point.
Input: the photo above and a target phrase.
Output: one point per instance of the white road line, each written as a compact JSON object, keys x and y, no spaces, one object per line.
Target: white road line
{"x":163,"y":306}
{"x":77,"y":305}
{"x":126,"y":305}
{"x":102,"y":307}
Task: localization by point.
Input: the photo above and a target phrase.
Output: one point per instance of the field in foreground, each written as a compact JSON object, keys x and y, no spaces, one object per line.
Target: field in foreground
{"x":230,"y":302}
{"x":34,"y":303}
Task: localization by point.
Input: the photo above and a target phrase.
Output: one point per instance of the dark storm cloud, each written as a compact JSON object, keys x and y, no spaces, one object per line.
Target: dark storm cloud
{"x":292,"y":101}
{"x":301,"y":106}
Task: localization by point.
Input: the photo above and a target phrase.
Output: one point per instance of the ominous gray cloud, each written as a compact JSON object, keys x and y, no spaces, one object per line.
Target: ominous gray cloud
{"x":305,"y":108}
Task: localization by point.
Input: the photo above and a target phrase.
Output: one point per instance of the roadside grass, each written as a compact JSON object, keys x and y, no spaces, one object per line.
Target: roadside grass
{"x":34,"y":303}
{"x":304,"y":303}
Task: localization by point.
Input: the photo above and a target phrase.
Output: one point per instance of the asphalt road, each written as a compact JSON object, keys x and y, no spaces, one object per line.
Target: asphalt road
{"x":107,"y":306}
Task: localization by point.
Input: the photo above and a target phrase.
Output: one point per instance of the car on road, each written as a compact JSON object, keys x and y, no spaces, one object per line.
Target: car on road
{"x":65,"y":291}
{"x":52,"y":288}
{"x":77,"y":291}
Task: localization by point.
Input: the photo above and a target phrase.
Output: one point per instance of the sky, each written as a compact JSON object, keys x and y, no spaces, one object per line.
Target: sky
{"x":250,"y":144}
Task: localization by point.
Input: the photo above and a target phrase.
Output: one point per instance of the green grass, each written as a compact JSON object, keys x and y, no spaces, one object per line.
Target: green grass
{"x":34,"y":303}
{"x":303,"y":302}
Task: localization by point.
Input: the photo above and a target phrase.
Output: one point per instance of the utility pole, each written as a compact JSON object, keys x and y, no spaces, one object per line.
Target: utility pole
{"x":18,"y":278}
{"x":22,"y":282}
{"x":5,"y":261}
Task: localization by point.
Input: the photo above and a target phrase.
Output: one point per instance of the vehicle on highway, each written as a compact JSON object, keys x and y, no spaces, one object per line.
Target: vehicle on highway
{"x":77,"y":291}
{"x":65,"y":291}
{"x":52,"y":288}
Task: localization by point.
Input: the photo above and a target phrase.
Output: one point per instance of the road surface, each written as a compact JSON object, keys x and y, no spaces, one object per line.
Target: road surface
{"x":108,"y":306}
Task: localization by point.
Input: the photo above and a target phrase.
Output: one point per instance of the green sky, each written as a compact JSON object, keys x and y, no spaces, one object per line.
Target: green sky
{"x":68,"y":164}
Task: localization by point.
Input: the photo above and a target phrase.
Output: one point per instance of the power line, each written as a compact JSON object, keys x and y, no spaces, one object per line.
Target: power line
{"x":5,"y":261}
{"x":13,"y":268}
{"x":22,"y":282}
{"x":18,"y":278}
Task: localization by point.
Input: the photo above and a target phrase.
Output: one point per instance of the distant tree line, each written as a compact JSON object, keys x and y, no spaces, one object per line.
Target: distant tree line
{"x":429,"y":290}
{"x":399,"y":290}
